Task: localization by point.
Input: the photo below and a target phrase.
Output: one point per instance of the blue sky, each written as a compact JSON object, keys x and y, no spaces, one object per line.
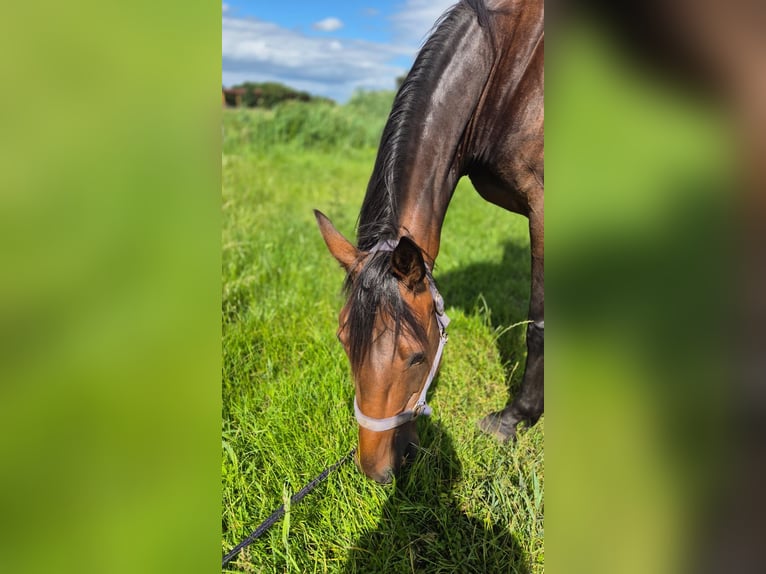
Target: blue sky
{"x":327,"y":48}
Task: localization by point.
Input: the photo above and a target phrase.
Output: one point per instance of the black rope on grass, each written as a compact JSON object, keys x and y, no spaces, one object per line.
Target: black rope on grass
{"x":279,"y":512}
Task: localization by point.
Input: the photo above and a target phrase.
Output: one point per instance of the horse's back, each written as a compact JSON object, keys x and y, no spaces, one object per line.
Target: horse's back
{"x":508,"y":165}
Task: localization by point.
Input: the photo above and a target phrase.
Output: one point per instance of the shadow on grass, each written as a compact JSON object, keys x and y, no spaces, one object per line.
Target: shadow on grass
{"x":423,"y":529}
{"x":500,"y":290}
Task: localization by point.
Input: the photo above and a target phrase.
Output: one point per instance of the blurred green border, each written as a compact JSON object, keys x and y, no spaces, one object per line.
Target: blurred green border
{"x":639,"y":278}
{"x":110,"y":297}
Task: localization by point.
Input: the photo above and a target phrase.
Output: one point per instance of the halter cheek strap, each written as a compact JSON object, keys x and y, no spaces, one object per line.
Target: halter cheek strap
{"x":421,"y":407}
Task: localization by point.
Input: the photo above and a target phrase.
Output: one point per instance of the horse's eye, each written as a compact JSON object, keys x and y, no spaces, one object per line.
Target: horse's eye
{"x":416,"y":359}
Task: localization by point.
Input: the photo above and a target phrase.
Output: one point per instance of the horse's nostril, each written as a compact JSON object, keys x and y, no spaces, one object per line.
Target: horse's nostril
{"x":384,"y":477}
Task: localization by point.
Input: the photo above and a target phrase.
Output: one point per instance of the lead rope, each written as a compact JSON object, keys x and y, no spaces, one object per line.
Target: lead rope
{"x":279,"y":512}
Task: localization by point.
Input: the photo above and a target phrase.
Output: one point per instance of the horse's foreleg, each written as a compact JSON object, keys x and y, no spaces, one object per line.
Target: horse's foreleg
{"x":527,"y":405}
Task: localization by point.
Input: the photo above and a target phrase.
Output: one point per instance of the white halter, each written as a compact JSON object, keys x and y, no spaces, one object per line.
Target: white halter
{"x":421,"y":407}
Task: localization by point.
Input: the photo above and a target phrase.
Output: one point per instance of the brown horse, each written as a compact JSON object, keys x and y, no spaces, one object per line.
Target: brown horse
{"x":471,"y":105}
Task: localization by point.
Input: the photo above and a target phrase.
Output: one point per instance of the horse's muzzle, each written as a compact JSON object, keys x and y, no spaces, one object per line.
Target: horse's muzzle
{"x":382,"y":454}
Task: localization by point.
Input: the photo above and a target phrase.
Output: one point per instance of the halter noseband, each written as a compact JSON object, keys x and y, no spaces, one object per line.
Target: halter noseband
{"x":421,"y":407}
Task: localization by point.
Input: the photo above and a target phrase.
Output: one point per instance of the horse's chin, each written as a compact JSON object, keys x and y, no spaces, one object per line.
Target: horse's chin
{"x":406,"y":445}
{"x":411,"y":450}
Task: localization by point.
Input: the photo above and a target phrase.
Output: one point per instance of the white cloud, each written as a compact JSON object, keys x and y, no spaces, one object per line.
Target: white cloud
{"x":328,"y":25}
{"x":416,"y":18}
{"x":261,"y":51}
{"x":225,"y":7}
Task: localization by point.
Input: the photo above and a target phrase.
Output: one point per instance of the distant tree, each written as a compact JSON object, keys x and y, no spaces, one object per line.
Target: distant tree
{"x":269,"y":94}
{"x":400,"y":81}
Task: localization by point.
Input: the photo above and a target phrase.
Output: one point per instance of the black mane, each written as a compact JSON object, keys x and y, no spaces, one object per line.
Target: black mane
{"x":374,"y":289}
{"x":379,"y":216}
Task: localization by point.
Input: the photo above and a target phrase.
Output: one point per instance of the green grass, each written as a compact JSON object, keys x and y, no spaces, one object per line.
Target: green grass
{"x":468,"y":503}
{"x":321,"y":125}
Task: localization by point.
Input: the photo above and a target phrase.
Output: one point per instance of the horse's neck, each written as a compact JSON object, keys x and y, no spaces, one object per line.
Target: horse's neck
{"x":437,"y":148}
{"x":433,"y":111}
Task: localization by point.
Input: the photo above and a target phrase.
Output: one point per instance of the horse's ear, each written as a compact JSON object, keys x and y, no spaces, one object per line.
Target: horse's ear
{"x":340,"y":247}
{"x":407,"y":263}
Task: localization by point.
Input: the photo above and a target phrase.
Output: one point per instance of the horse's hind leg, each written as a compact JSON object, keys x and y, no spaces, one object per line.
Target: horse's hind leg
{"x":527,"y":405}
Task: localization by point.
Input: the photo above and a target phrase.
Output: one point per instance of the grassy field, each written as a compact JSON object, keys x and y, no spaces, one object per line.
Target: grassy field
{"x":468,"y":504}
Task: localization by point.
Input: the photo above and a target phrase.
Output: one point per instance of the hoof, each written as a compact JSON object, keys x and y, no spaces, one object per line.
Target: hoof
{"x":494,"y":425}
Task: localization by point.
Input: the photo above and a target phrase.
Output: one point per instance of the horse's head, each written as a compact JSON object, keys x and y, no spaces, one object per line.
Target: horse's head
{"x":392,"y":328}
